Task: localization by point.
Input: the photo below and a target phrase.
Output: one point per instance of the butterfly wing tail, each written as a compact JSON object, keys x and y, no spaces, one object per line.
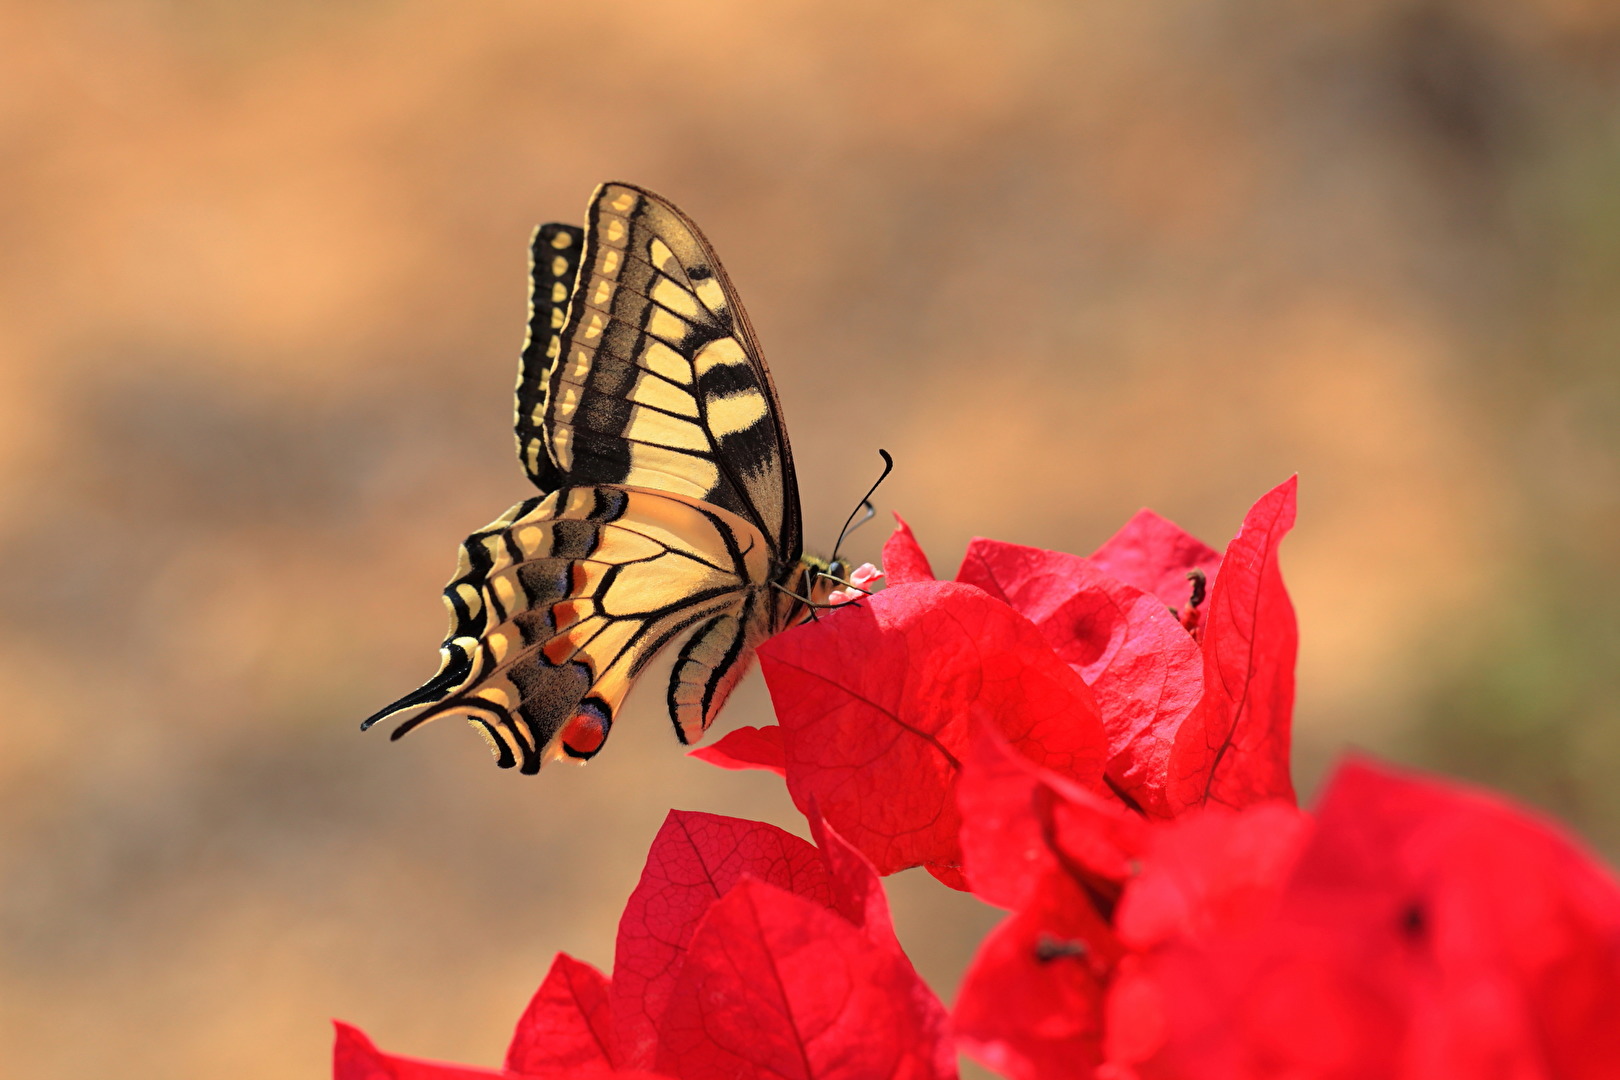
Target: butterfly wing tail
{"x":558,"y":604}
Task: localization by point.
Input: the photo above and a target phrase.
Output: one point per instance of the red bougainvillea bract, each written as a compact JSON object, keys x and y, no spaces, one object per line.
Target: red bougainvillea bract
{"x":1100,"y":746}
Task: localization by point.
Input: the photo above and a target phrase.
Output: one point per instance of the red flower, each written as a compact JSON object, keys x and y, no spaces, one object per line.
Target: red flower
{"x":1032,"y":1003}
{"x":355,"y":1058}
{"x":776,"y":985}
{"x":744,"y":952}
{"x":1197,"y":708}
{"x":879,"y":702}
{"x":1207,"y":873}
{"x":1022,"y":823}
{"x":1099,"y":745}
{"x":1156,"y":556}
{"x":567,"y":1026}
{"x":694,"y":861}
{"x":1234,"y":749}
{"x":1144,"y":668}
{"x":1425,"y":931}
{"x":1093,"y":888}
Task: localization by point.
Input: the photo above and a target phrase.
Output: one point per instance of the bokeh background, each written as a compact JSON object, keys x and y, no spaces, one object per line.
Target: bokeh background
{"x":261,"y":296}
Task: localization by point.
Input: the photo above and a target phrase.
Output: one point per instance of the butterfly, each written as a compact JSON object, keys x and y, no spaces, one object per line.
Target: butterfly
{"x":668,"y":506}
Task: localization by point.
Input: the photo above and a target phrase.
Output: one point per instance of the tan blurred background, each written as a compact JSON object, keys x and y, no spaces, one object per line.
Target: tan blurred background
{"x":261,"y":296}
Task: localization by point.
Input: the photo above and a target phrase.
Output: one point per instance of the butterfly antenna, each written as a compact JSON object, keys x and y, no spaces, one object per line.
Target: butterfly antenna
{"x":850,"y":524}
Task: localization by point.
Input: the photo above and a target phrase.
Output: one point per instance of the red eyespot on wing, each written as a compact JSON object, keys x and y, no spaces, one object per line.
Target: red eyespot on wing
{"x":586,"y":730}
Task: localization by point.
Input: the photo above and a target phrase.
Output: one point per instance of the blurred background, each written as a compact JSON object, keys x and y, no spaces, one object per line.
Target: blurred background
{"x":261,"y":298}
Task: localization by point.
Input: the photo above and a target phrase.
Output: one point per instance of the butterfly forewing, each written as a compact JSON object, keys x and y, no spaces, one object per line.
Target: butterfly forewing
{"x":554,"y":266}
{"x":661,"y":384}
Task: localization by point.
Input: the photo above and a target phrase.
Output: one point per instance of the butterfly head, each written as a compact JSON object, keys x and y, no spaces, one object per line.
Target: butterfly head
{"x":822,"y":577}
{"x":834,"y":581}
{"x":830,"y":582}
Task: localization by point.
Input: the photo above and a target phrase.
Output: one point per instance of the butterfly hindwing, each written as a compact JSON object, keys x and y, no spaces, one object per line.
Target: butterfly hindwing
{"x":558,"y":604}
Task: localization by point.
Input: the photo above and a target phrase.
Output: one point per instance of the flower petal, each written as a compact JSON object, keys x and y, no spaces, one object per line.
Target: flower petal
{"x":1425,"y":931}
{"x":1144,"y":668}
{"x":694,"y":861}
{"x":355,"y":1057}
{"x":903,"y":558}
{"x":746,"y":747}
{"x":775,"y":985}
{"x":1234,"y":749}
{"x":878,"y":705}
{"x":1022,"y":823}
{"x":1211,"y":871}
{"x":568,"y":1024}
{"x":1031,"y":1003}
{"x":1155,"y":556}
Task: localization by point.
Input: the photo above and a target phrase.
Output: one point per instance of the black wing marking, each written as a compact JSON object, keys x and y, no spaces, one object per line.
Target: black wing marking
{"x":557,"y":605}
{"x":661,"y":382}
{"x":553,"y":268}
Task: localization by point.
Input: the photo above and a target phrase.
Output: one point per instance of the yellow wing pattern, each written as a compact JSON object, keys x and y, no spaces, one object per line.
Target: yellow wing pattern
{"x":553,"y":268}
{"x":647,"y":417}
{"x":558,"y":604}
{"x":659,"y":382}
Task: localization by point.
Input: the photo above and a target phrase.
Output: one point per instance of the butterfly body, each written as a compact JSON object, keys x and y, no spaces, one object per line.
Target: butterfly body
{"x":668,"y":509}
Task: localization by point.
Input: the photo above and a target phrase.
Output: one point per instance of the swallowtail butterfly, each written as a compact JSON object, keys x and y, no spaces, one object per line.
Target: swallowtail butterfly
{"x":668,"y":507}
